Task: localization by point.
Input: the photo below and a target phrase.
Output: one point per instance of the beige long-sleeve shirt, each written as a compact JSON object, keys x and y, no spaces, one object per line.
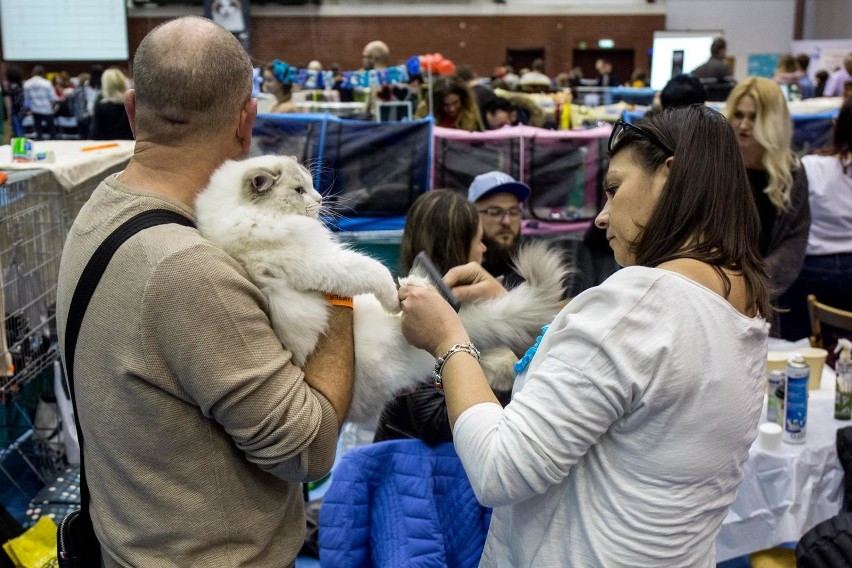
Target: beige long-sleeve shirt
{"x":197,"y":426}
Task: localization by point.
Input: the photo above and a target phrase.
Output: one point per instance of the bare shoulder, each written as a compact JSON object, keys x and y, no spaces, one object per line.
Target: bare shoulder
{"x":704,"y":274}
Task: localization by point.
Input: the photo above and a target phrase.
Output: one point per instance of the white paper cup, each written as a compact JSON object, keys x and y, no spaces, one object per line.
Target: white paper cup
{"x":815,"y":358}
{"x":776,"y":361}
{"x":769,"y":436}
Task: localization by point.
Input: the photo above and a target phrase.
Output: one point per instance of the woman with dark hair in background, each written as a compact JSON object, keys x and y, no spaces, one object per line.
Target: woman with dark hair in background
{"x":278,"y":85}
{"x":827,"y":270}
{"x":448,"y":228}
{"x":608,"y":453}
{"x":758,"y":113}
{"x":13,"y":99}
{"x":453,"y":105}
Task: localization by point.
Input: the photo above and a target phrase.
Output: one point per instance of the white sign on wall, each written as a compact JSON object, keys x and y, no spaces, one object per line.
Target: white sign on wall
{"x":678,"y":52}
{"x":825,"y":54}
{"x":64,"y":30}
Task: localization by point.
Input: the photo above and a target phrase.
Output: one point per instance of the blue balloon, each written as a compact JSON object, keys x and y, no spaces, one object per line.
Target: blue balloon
{"x":413,"y":65}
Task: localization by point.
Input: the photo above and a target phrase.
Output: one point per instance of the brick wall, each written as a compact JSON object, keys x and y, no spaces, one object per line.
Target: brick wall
{"x":480,"y":41}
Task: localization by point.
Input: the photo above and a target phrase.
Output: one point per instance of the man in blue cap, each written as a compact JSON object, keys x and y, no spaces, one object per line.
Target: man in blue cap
{"x":498,"y":196}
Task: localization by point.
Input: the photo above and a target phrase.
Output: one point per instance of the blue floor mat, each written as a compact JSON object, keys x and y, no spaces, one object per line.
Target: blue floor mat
{"x":741,"y":562}
{"x":16,"y":499}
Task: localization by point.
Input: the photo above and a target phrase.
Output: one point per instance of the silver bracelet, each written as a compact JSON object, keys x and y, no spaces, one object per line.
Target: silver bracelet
{"x":439,"y":364}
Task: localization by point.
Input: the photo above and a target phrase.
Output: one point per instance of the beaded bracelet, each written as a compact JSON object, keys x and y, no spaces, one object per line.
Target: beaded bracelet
{"x":439,"y":364}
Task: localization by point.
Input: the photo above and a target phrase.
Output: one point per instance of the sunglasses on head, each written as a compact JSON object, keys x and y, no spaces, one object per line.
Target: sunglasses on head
{"x":621,"y":127}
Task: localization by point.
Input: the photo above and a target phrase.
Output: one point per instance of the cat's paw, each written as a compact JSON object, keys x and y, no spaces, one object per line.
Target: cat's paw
{"x":414,"y":280}
{"x":389,"y":299}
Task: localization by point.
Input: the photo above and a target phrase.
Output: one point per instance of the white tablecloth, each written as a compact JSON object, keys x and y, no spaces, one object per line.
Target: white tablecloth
{"x":73,"y":166}
{"x":786,"y":492}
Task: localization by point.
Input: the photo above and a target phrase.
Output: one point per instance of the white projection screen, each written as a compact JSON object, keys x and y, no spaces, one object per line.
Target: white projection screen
{"x":674,"y":51}
{"x":64,"y":30}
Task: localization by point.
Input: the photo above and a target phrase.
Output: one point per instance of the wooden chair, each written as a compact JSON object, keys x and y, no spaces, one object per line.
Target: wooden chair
{"x":825,"y":314}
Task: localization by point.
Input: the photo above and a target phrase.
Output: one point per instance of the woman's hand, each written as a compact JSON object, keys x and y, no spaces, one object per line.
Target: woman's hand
{"x":472,"y":282}
{"x":428,"y":321}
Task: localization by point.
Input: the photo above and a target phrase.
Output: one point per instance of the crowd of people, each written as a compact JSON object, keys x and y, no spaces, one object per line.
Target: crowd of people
{"x":591,"y":457}
{"x":461,"y":100}
{"x":94,"y":100}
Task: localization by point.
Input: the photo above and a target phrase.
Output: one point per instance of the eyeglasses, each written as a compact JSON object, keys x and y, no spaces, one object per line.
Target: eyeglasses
{"x":498,"y":212}
{"x":621,"y":127}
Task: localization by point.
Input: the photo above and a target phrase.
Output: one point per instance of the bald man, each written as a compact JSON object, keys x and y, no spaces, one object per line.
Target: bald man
{"x":198,"y":429}
{"x":376,"y":55}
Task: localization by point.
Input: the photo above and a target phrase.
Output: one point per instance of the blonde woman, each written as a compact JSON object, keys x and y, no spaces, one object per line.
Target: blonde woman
{"x":109,"y":120}
{"x":757,"y":111}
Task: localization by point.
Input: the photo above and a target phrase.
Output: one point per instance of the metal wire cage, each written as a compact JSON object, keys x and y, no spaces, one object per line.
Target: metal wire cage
{"x":36,"y":213}
{"x":32,"y":231}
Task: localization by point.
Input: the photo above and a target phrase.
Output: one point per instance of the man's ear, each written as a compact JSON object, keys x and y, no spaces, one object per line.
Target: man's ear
{"x":247,"y":118}
{"x":130,"y":109}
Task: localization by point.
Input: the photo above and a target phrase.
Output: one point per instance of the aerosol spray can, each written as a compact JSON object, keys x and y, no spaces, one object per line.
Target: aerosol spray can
{"x":843,"y":383}
{"x":774,"y":404}
{"x":796,"y":400}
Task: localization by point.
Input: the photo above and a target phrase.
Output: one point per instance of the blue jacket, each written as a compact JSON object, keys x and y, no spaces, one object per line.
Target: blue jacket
{"x":401,"y":504}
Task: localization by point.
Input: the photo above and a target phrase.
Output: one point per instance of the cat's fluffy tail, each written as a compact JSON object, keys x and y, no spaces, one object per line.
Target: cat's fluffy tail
{"x":516,"y":318}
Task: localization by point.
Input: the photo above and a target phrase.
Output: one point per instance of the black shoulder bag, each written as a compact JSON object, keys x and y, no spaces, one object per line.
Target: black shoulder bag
{"x":76,"y":543}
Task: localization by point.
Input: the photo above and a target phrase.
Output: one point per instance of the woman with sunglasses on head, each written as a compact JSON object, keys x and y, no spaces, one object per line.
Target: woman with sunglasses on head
{"x":758,"y":112}
{"x":631,"y":418}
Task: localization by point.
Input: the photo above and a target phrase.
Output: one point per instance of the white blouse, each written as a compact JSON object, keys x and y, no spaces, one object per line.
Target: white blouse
{"x":625,"y":439}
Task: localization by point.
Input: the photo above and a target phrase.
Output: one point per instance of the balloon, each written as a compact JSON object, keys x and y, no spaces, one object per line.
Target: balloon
{"x":426,"y":61}
{"x":446,"y":67}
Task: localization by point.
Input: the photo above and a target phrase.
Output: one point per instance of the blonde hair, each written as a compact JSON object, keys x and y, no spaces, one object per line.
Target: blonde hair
{"x":113,"y":85}
{"x":773,"y":130}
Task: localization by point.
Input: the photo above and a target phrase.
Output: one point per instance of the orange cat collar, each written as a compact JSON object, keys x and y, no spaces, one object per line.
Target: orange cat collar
{"x":336,"y":300}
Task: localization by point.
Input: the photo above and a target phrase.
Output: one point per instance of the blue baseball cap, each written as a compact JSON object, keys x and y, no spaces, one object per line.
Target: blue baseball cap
{"x":496,"y":182}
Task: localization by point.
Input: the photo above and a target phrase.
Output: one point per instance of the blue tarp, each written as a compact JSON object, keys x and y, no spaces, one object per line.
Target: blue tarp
{"x":363,"y":169}
{"x":810,"y":131}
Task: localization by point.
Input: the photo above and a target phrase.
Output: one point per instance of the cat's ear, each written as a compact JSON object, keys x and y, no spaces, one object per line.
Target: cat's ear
{"x":262,"y":180}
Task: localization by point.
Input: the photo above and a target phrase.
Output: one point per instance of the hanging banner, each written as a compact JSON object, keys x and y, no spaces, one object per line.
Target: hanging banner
{"x":374,"y":78}
{"x":233,"y":15}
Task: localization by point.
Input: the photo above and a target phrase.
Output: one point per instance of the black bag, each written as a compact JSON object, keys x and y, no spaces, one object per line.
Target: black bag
{"x":76,"y":542}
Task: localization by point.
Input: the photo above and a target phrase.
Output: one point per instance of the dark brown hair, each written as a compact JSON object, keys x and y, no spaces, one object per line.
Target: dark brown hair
{"x":443,"y":223}
{"x":453,"y":85}
{"x":706,"y":210}
{"x":842,"y":142}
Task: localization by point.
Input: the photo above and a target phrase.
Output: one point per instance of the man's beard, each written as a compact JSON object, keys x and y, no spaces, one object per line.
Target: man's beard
{"x":498,"y":256}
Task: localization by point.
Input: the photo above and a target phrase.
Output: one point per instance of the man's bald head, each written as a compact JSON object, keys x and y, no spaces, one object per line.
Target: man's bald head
{"x":191,"y":77}
{"x":376,"y":55}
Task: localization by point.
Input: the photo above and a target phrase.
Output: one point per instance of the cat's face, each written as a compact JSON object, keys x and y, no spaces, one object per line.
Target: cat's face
{"x":226,"y":7}
{"x":280,"y":184}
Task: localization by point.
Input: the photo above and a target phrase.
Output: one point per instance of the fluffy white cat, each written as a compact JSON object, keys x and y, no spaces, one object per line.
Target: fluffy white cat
{"x":264,"y":212}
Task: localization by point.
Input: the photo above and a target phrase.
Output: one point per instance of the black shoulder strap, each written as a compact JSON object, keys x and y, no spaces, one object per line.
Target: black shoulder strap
{"x":82,"y":296}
